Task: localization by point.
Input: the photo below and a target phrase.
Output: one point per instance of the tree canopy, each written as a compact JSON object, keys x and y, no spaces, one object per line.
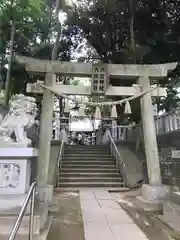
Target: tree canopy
{"x":107,"y":27}
{"x":117,"y":31}
{"x":34,"y":36}
{"x":127,"y":31}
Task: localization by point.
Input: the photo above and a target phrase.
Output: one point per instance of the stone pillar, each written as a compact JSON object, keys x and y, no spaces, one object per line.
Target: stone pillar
{"x":45,"y":134}
{"x":150,"y":141}
{"x":154,"y":193}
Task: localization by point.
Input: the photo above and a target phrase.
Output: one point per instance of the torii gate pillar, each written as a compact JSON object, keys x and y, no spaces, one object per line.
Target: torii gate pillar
{"x":149,"y":134}
{"x":154,"y":193}
{"x":45,"y":132}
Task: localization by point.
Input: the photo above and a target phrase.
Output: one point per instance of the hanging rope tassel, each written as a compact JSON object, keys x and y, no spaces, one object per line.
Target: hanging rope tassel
{"x":97,"y":113}
{"x":127,"y":109}
{"x":81,"y":111}
{"x":113,"y":112}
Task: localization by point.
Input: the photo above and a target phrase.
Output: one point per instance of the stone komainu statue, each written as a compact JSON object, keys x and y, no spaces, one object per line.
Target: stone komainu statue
{"x":21,"y":116}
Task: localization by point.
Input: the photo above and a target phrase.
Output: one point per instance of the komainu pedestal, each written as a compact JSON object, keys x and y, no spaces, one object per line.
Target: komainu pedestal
{"x":16,"y":158}
{"x":15,"y":173}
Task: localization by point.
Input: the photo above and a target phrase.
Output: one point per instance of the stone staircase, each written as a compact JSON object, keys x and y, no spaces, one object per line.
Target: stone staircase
{"x":89,"y":166}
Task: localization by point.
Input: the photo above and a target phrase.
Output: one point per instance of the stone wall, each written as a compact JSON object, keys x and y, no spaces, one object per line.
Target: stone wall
{"x":170,"y":168}
{"x":133,"y":171}
{"x":169,"y":140}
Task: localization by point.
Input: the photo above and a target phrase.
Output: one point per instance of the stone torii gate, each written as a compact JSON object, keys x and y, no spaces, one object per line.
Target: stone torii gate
{"x":100,"y":74}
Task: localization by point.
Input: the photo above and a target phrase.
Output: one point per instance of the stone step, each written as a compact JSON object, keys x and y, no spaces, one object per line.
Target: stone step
{"x":91,"y":153}
{"x":40,"y":219}
{"x":83,"y":152}
{"x":84,"y":169}
{"x":97,"y":146}
{"x":42,"y":236}
{"x":86,"y":156}
{"x":90,"y":149}
{"x":88,"y":163}
{"x":91,"y":184}
{"x":89,"y":174}
{"x":91,"y":179}
{"x":101,"y":166}
{"x":84,"y":160}
{"x":72,"y":156}
{"x":77,"y":189}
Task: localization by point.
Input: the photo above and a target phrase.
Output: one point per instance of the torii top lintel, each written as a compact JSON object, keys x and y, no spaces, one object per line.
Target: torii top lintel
{"x":85,"y":69}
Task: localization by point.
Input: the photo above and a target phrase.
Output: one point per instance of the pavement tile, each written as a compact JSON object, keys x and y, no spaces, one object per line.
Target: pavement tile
{"x":94,"y":232}
{"x":96,"y":218}
{"x":87,"y":203}
{"x":104,"y":219}
{"x":128,"y":232}
{"x":103,"y":195}
{"x":87,"y":195}
{"x":118,"y":218}
{"x":109,"y":204}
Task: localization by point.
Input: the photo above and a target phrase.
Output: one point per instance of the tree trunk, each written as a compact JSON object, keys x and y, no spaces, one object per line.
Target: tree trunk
{"x":58,"y":27}
{"x":132,"y":37}
{"x":1,"y":57}
{"x":8,"y":76}
{"x":56,"y":45}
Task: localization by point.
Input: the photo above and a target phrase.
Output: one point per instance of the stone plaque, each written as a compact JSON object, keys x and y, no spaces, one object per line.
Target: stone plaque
{"x":14,"y":176}
{"x":9,"y":175}
{"x":175,"y":153}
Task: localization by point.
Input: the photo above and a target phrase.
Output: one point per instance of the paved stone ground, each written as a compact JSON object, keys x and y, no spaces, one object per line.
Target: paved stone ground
{"x":147,"y":221}
{"x":67,"y":224}
{"x":104,"y":218}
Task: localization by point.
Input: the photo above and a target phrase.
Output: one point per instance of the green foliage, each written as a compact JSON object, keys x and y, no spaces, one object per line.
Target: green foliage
{"x":15,"y":14}
{"x":32,"y":37}
{"x":105,"y":24}
{"x":172,"y":85}
{"x":108,"y":26}
{"x":17,"y":10}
